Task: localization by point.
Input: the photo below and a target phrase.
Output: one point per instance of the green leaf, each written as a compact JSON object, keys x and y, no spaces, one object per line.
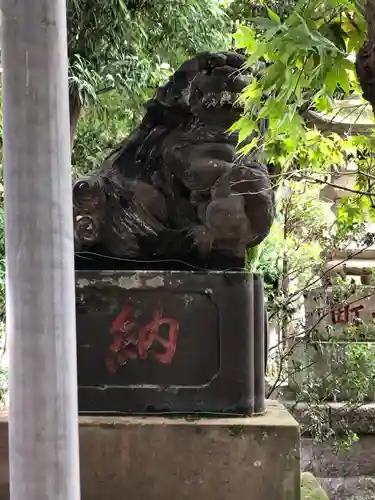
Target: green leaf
{"x":323,"y":101}
{"x":253,"y":92}
{"x":122,"y":5}
{"x":245,"y":150}
{"x":331,"y":80}
{"x":272,"y":75}
{"x":272,"y":15}
{"x":335,"y":33}
{"x":292,"y":81}
{"x":343,"y":79}
{"x":245,"y":38}
{"x":272,"y":109}
{"x":264,"y":23}
{"x":338,"y":75}
{"x":246,"y":127}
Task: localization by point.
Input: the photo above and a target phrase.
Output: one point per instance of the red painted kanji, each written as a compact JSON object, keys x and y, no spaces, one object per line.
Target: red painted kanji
{"x":150,"y":334}
{"x":342,"y":315}
{"x":131,"y":342}
{"x":124,"y":345}
{"x":356,"y":310}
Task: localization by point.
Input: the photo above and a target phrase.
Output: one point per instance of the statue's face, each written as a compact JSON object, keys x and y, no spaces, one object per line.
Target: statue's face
{"x":88,"y":211}
{"x":209,"y":86}
{"x":214,"y":94}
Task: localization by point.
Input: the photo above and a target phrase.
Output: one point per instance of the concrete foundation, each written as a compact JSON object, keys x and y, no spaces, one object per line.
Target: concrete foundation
{"x":156,"y":458}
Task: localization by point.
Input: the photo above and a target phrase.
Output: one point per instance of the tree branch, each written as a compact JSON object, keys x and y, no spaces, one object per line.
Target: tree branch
{"x":314,"y":119}
{"x":342,"y":188}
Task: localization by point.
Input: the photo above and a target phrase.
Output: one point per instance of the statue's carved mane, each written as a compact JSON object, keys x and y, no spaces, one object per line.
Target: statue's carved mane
{"x":177,"y":186}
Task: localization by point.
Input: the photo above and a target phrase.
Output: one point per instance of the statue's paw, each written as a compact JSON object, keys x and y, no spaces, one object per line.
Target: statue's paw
{"x":202,"y":174}
{"x":226,"y":217}
{"x":123,"y":246}
{"x":234,"y":248}
{"x":151,"y":200}
{"x":202,"y":239}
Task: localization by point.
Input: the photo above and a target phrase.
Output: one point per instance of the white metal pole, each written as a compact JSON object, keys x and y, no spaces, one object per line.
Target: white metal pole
{"x":40,"y":300}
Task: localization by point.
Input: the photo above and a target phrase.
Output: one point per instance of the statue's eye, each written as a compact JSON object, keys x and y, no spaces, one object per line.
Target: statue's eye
{"x":190,"y":176}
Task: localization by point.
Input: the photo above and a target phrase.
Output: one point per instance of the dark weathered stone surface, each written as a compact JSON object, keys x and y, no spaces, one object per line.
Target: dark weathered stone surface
{"x":206,"y":459}
{"x":323,"y":460}
{"x":176,"y":187}
{"x":347,"y":475}
{"x":352,"y":488}
{"x":158,"y":341}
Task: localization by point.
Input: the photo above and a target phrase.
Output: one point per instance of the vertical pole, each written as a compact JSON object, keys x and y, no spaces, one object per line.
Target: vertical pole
{"x":40,"y":300}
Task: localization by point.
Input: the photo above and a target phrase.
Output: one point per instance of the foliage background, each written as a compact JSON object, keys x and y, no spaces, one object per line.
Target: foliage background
{"x":130,"y":45}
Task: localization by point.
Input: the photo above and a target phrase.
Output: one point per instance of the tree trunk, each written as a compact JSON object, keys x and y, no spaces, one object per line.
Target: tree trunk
{"x":40,"y":291}
{"x":285,"y":281}
{"x":365,"y":63}
{"x":75,"y":107}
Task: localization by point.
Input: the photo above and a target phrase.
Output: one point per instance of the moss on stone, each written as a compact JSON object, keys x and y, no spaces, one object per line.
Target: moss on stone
{"x":311,"y":489}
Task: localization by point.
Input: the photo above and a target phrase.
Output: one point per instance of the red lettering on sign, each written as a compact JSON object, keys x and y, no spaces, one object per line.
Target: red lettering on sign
{"x":131,"y":342}
{"x":340,"y":315}
{"x":150,"y":335}
{"x":356,"y":310}
{"x":124,"y":345}
{"x":343,"y":315}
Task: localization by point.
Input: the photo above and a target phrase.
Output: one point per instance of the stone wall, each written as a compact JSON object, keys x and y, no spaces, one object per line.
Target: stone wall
{"x":347,"y":474}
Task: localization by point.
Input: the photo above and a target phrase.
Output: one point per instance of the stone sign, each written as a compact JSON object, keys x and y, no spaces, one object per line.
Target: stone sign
{"x":329,"y":306}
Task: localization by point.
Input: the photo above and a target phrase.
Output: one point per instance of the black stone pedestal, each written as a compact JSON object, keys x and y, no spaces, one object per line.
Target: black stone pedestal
{"x":170,"y":342}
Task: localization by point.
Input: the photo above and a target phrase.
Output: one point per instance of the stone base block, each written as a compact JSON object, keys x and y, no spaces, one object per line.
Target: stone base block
{"x":156,"y":458}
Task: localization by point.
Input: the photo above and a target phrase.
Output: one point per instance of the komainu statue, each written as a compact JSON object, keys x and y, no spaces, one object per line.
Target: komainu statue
{"x":177,"y":188}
